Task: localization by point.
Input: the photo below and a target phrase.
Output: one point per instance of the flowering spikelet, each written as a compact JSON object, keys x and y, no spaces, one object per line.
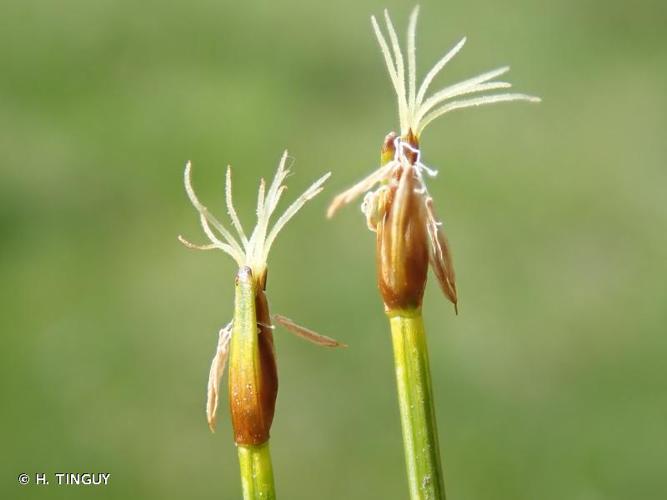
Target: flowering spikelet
{"x":400,"y":211}
{"x":248,"y":339}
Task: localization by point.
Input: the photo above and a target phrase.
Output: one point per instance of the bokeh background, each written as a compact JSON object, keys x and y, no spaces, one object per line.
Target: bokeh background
{"x":550,"y":384}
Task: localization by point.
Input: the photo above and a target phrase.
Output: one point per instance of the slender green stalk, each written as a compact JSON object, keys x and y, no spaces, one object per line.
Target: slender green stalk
{"x":415,"y":397}
{"x":256,"y":472}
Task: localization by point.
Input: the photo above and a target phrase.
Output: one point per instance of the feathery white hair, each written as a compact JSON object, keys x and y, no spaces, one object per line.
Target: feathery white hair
{"x":415,"y":111}
{"x":252,"y":252}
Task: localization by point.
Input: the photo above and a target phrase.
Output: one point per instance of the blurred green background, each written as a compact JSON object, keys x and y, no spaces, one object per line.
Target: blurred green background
{"x":550,"y":384}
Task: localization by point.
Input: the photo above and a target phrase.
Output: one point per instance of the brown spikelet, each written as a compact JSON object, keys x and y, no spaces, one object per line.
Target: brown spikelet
{"x":253,"y":379}
{"x":401,"y":251}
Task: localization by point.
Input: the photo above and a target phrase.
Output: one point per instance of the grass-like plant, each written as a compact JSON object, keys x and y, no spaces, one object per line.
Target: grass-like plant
{"x":410,"y":236}
{"x":248,"y":338}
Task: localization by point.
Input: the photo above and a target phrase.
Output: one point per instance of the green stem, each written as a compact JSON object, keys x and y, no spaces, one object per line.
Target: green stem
{"x":256,"y":472}
{"x":415,"y":397}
